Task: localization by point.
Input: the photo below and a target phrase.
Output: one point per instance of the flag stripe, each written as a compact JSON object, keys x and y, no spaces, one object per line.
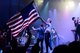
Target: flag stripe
{"x":15,"y":34}
{"x":32,"y":11}
{"x":25,"y":26}
{"x":14,"y":28}
{"x":15,"y":24}
{"x":31,"y":21}
{"x":31,"y":17}
{"x":15,"y":20}
{"x":14,"y":17}
{"x":16,"y":31}
{"x":22,"y":20}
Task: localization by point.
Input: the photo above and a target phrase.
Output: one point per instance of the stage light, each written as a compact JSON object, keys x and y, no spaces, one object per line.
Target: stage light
{"x":39,"y":2}
{"x":70,"y":5}
{"x":79,"y":3}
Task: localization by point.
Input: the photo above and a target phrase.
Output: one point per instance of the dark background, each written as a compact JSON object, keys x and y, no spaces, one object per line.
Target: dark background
{"x":8,"y":8}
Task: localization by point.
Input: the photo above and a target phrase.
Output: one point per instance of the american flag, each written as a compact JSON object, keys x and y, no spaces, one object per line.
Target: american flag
{"x":22,"y":20}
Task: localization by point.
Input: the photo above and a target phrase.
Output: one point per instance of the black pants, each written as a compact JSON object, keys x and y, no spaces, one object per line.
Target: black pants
{"x":77,"y":33}
{"x":77,"y":36}
{"x":38,"y":41}
{"x":47,"y":36}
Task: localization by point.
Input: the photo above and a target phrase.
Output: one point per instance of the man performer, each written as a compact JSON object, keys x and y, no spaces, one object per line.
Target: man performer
{"x":77,"y":25}
{"x":48,"y":29}
{"x":40,"y":31}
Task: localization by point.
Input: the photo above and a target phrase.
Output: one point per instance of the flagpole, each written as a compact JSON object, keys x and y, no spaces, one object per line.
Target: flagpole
{"x":34,"y":4}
